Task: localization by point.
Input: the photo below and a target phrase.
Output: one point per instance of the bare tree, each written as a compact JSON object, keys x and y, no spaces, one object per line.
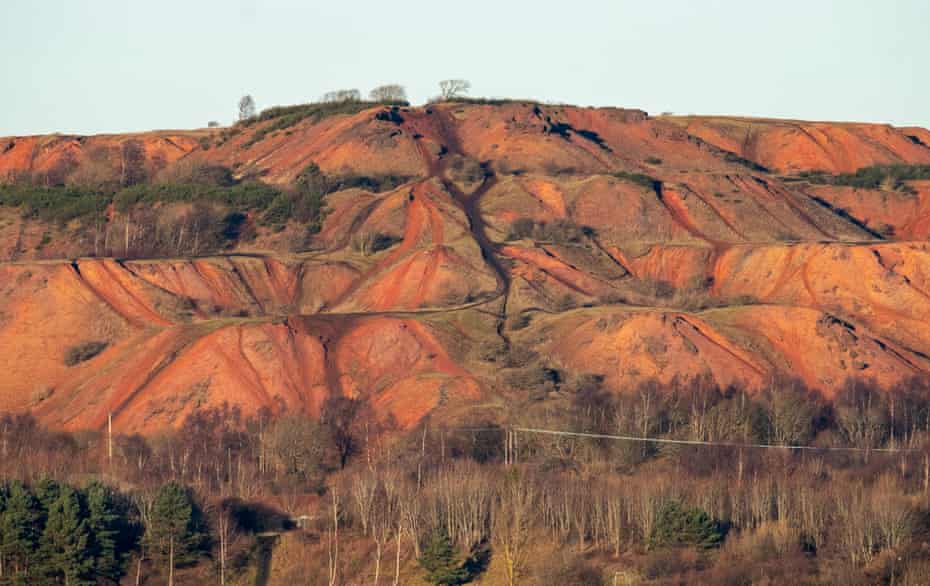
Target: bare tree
{"x":226,"y":532}
{"x":132,"y":162}
{"x":388,"y":93}
{"x":351,"y":95}
{"x":213,"y":124}
{"x":512,"y":518}
{"x":453,"y":88}
{"x":246,"y":107}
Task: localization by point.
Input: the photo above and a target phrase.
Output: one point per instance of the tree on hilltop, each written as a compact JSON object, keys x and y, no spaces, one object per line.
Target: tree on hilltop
{"x":454,"y":88}
{"x":246,"y":107}
{"x":388,"y":93}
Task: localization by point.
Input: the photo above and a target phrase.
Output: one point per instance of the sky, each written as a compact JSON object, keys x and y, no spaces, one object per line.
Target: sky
{"x":93,"y":66}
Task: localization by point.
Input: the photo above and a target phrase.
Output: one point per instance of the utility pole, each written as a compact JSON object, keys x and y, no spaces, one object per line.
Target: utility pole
{"x":110,"y":438}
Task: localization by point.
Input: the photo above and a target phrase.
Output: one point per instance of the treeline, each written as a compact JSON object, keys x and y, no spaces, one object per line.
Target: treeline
{"x":201,"y":493}
{"x":55,"y":533}
{"x":451,"y":502}
{"x":728,"y":512}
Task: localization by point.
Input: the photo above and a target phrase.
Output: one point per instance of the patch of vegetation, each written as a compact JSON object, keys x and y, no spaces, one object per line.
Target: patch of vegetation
{"x":46,"y":240}
{"x":373,"y":242}
{"x":487,"y":101}
{"x":640,"y":179}
{"x":374,"y":184}
{"x":442,"y":563}
{"x":873,"y":177}
{"x":653,"y":161}
{"x":83,"y":352}
{"x":675,"y":525}
{"x":54,"y":204}
{"x":243,"y":196}
{"x":731,"y":157}
{"x":558,"y":232}
{"x":283,"y":117}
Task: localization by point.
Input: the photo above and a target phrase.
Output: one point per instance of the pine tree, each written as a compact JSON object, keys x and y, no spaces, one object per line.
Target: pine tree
{"x":442,"y":564}
{"x":63,"y":548}
{"x":109,"y":535}
{"x":173,"y":533}
{"x":47,"y":491}
{"x":19,"y":536}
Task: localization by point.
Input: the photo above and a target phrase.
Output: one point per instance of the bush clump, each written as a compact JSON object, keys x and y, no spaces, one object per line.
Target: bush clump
{"x":373,"y":242}
{"x":83,"y":352}
{"x":676,"y":525}
{"x":640,"y":179}
{"x":246,"y":196}
{"x":873,"y":177}
{"x":559,"y":231}
{"x":54,"y":204}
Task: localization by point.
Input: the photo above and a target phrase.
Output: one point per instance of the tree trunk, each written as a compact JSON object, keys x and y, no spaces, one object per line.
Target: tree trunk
{"x":171,"y":561}
{"x":139,"y":565}
{"x":222,"y":550}
{"x":397,"y":560}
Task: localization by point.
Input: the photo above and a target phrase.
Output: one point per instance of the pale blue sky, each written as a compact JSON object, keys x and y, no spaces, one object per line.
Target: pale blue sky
{"x":118,"y":65}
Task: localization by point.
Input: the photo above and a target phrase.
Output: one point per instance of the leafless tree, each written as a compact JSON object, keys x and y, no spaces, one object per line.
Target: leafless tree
{"x":512,"y":522}
{"x":132,"y":162}
{"x":388,"y":93}
{"x":297,"y":443}
{"x":454,"y":88}
{"x":227,"y":534}
{"x":246,"y":107}
{"x":351,"y":95}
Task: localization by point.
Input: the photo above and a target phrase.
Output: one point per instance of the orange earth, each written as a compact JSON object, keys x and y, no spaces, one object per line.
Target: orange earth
{"x":554,"y":243}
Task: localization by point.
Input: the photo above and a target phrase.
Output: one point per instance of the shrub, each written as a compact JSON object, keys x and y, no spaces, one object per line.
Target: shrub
{"x":243,"y":196}
{"x":559,"y":231}
{"x":53,"y":204}
{"x":638,"y":178}
{"x":441,"y":562}
{"x":374,"y":184}
{"x":279,"y":211}
{"x":373,"y":242}
{"x":567,"y":569}
{"x":676,"y":525}
{"x":83,"y":352}
{"x":873,"y":177}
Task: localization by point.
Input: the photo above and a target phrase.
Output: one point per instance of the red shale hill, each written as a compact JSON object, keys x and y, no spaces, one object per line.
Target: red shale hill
{"x":594,"y":241}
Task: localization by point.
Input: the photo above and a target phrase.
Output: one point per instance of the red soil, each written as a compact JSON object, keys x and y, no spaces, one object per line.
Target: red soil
{"x":769,"y":277}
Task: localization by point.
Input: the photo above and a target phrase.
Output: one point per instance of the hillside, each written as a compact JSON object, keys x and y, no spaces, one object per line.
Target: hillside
{"x":466,"y":253}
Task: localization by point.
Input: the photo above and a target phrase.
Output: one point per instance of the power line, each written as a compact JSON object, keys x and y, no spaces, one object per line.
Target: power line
{"x":660,"y":440}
